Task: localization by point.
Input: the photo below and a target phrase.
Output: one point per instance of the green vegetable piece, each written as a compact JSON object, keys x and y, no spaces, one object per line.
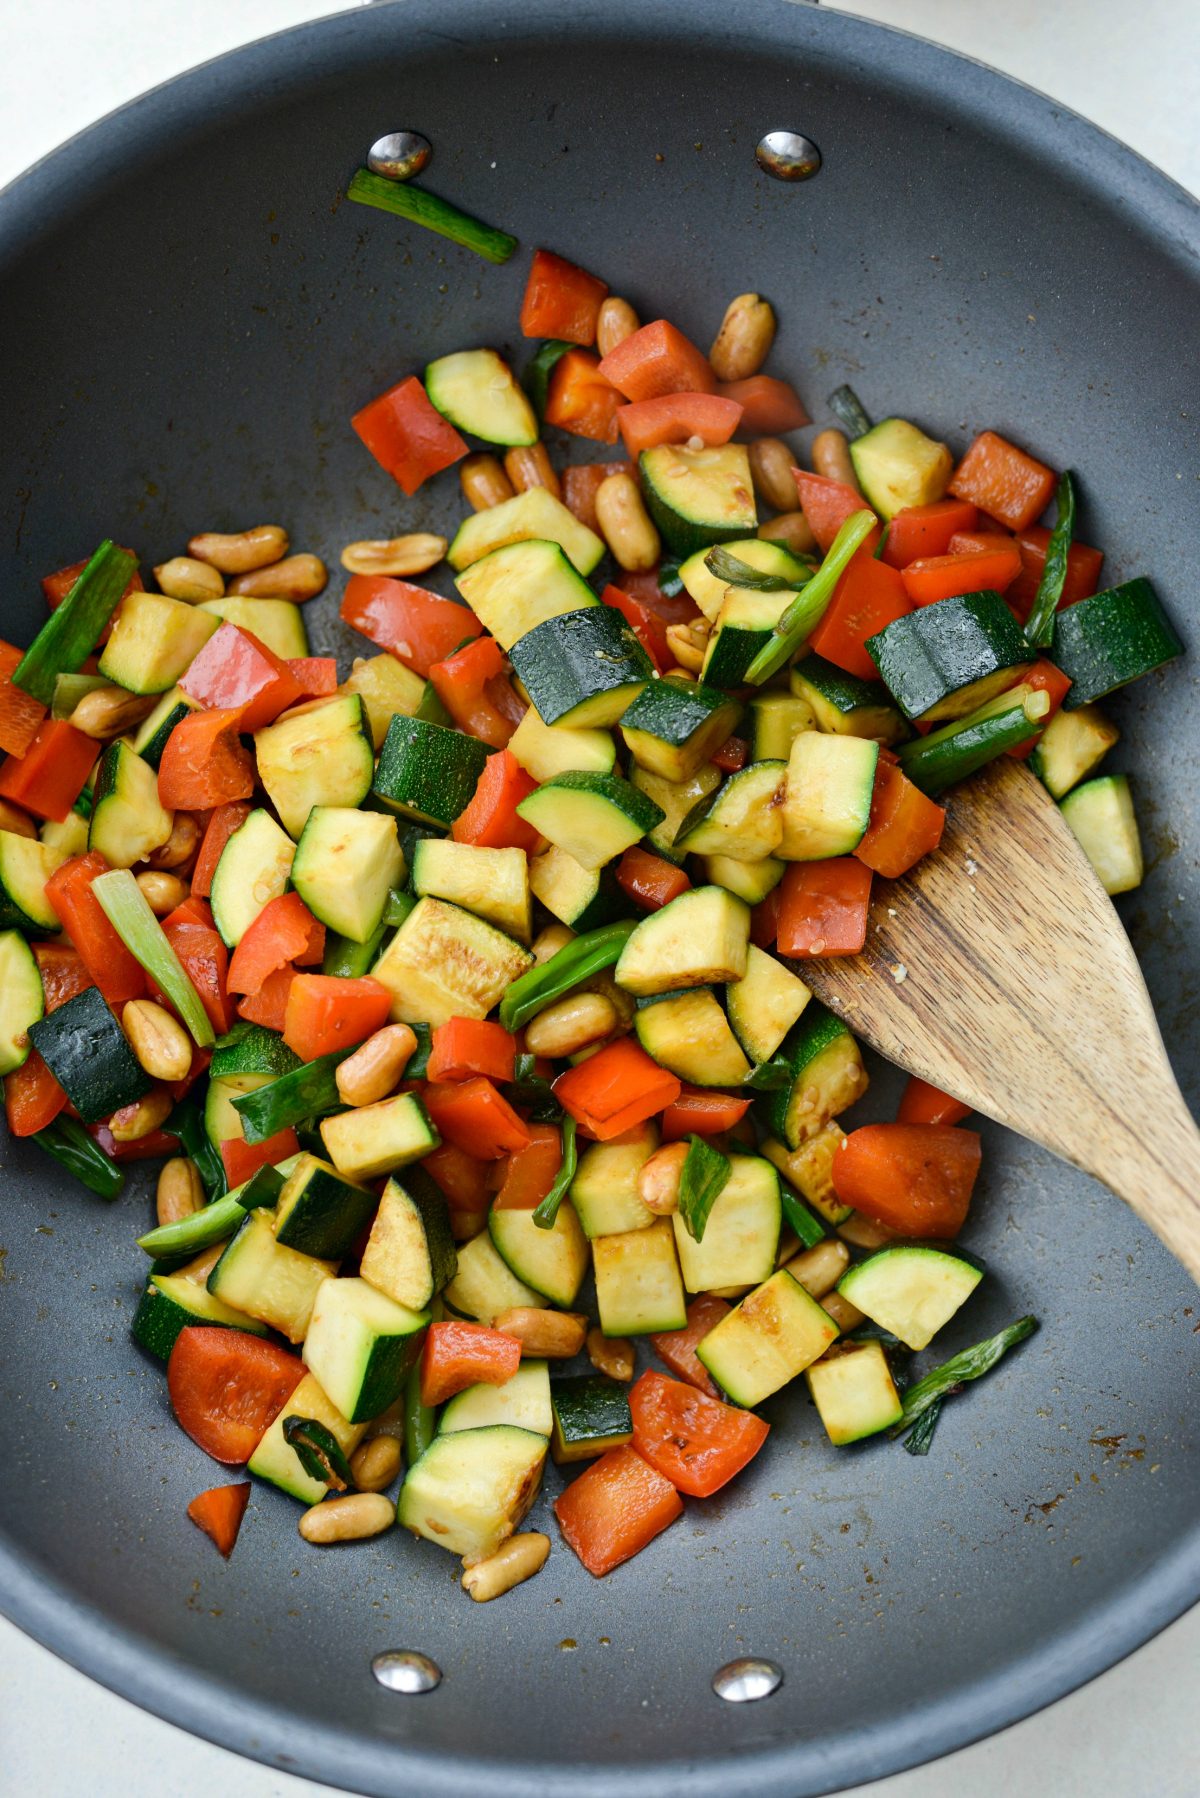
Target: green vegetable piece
{"x":70,"y":1143}
{"x":966,"y":744}
{"x":670,"y":581}
{"x":124,"y":905}
{"x":968,"y":1364}
{"x":69,"y":635}
{"x":532,"y":991}
{"x":547,"y":1211}
{"x":537,"y":375}
{"x":187,"y":1123}
{"x":704,"y":1178}
{"x":397,"y":908}
{"x":730,"y":568}
{"x":214,"y":1222}
{"x":920,"y":1437}
{"x":420,"y":1421}
{"x":1039,"y":626}
{"x":319,"y":1452}
{"x":307,"y":1092}
{"x":420,"y":207}
{"x":808,"y":1228}
{"x":849,"y":411}
{"x":811,"y":603}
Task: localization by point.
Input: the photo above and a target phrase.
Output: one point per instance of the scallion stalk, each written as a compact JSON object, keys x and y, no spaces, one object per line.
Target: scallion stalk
{"x":125,"y":906}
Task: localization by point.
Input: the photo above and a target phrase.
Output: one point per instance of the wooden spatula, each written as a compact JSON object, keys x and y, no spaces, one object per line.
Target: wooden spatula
{"x":999,"y":970}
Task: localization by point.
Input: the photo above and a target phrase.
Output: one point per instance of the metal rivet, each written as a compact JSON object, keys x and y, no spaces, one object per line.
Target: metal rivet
{"x":788,"y":155}
{"x":400,"y":155}
{"x":740,"y":1682}
{"x":406,"y":1670}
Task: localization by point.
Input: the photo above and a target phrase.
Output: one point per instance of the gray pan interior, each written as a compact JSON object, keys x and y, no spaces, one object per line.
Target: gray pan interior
{"x":188,"y":319}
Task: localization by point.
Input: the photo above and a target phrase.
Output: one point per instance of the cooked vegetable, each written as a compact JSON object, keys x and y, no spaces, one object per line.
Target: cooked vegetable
{"x":69,"y":1143}
{"x":130,"y":916}
{"x":705,"y":1176}
{"x":73,"y":629}
{"x":969,"y":1364}
{"x":407,"y":201}
{"x":806,"y":610}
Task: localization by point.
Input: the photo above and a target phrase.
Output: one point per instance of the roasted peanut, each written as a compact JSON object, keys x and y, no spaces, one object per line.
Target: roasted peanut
{"x":658,"y":1178}
{"x":831,"y":457}
{"x":862,"y":1233}
{"x":349,"y":1519}
{"x":555,"y":1334}
{"x":771,"y":465}
{"x":484,"y":483}
{"x":529,"y":465}
{"x":179,"y":1192}
{"x":548,"y":942}
{"x":787,"y":1246}
{"x":159,"y":1041}
{"x":571,"y":1024}
{"x":374,"y":1069}
{"x":133,"y":1122}
{"x":625,"y":523}
{"x":297,"y":578}
{"x":180,"y":846}
{"x":184,"y":577}
{"x":792,"y":529}
{"x":376,"y":1463}
{"x":612,"y":1355}
{"x":744,"y":341}
{"x":394,"y":556}
{"x":819,"y":1269}
{"x":688,"y":643}
{"x":616,"y":322}
{"x":519,"y":1559}
{"x":107,"y":712}
{"x":198,"y":1270}
{"x":846,"y":1316}
{"x":237,"y":552}
{"x":16,"y":822}
{"x":162,"y":892}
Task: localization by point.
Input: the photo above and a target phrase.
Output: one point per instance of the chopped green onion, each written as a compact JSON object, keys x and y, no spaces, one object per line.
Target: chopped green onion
{"x":420,"y":207}
{"x":347,"y":960}
{"x":528,"y":1087}
{"x":849,"y":411}
{"x":307,"y":1092}
{"x":72,"y":630}
{"x":809,"y":606}
{"x":769,"y":1076}
{"x":397,"y":907}
{"x":69,"y":689}
{"x":808,"y":1228}
{"x":537,"y":376}
{"x":704,"y":1178}
{"x":213,"y":1222}
{"x":968,"y":1364}
{"x":1039,"y":626}
{"x":884,"y":534}
{"x":538,"y":987}
{"x":920,"y":1437}
{"x":417,"y":1065}
{"x":319,"y":1452}
{"x":187,"y":1123}
{"x":124,"y":905}
{"x":70,"y":1143}
{"x":547,"y":1211}
{"x":730,"y":568}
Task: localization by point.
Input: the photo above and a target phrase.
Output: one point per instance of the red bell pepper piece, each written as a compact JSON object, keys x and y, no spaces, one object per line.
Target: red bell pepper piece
{"x":466,"y":684}
{"x":205,"y":961}
{"x":916,"y":1179}
{"x":1082,"y":578}
{"x":316,"y":676}
{"x":465,"y":1046}
{"x":677,"y":608}
{"x":968,"y":543}
{"x":220,"y":827}
{"x":699,"y":1111}
{"x":677,"y":1348}
{"x":614,"y":1509}
{"x":491,"y":819}
{"x":151,"y":1147}
{"x":650,"y":881}
{"x":234,"y":672}
{"x":827,"y":505}
{"x":580,"y":484}
{"x":615,"y":1089}
{"x":407,"y":435}
{"x":649,"y":629}
{"x":219,"y":1512}
{"x":325,"y":1013}
{"x":49,"y":777}
{"x":905,"y":824}
{"x":1043,"y":677}
{"x":283,"y":930}
{"x":419,"y":627}
{"x":457,"y":1355}
{"x":918,"y":531}
{"x":561,"y":300}
{"x":20,"y":713}
{"x":63,"y":973}
{"x":921,"y":1103}
{"x":103,"y":954}
{"x":868,"y":598}
{"x":193,"y":910}
{"x":32,"y":1096}
{"x":764,"y":920}
{"x":227,"y":1388}
{"x":1003,"y":481}
{"x":733,"y":754}
{"x":242,"y":1159}
{"x":462,"y":1178}
{"x":530,"y":1173}
{"x":580,"y":399}
{"x":823,"y":907}
{"x":769,"y":406}
{"x":940,"y":577}
{"x":697,"y":1442}
{"x":674,"y":417}
{"x":204,"y":764}
{"x":658,"y":359}
{"x":476,"y":1118}
{"x":268,"y":1006}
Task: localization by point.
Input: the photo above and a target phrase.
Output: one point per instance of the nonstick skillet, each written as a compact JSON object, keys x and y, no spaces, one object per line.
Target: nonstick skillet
{"x":189,"y":316}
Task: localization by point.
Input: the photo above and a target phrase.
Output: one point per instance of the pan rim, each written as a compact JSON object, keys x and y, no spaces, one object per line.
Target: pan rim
{"x":37,"y":201}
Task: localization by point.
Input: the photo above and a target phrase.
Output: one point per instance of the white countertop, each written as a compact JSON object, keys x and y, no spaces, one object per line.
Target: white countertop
{"x":1131,"y":69}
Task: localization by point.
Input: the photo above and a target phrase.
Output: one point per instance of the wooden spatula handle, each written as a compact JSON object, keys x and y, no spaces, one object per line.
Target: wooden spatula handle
{"x":1159,"y":1178}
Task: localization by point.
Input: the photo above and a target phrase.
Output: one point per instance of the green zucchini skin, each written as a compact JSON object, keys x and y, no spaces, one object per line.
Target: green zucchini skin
{"x":69,"y":635}
{"x":85,"y":1049}
{"x":673,"y":726}
{"x":256,"y":1051}
{"x":591,"y":1414}
{"x":581,"y":668}
{"x":427,"y":772}
{"x":698,"y":497}
{"x":959,"y":749}
{"x":321,"y":1214}
{"x":1113,"y":638}
{"x":309,"y":1091}
{"x":937,"y":661}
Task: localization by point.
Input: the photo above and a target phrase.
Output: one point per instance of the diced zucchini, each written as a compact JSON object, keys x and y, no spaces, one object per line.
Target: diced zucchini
{"x":773,"y":1335}
{"x":845,"y":706}
{"x":699,"y":939}
{"x":22,"y":1001}
{"x":744,"y":625}
{"x":1113,"y":638}
{"x":346,"y":864}
{"x":410,"y":1254}
{"x":253,"y":869}
{"x":276,"y":622}
{"x":742,"y":820}
{"x":854,"y":1392}
{"x":911,"y":1289}
{"x":150,"y":737}
{"x":379,"y":1139}
{"x":827,"y":1075}
{"x":1101,"y":814}
{"x":764,"y":1004}
{"x":545,"y":750}
{"x":264,"y":1279}
{"x":675,"y":799}
{"x":492,"y":883}
{"x":86,"y":1050}
{"x":751,"y":881}
{"x":709,"y":590}
{"x":319,"y":754}
{"x":583,"y":898}
{"x":444,"y":962}
{"x":639,"y":1290}
{"x":222,"y":1122}
{"x":276,"y":1460}
{"x":591,"y":1415}
{"x":1072,"y":745}
{"x":470,"y":1489}
{"x":360,"y":1345}
{"x":946,"y":660}
{"x":809,"y":1168}
{"x":592,"y":817}
{"x":513,"y":590}
{"x":171,"y":1302}
{"x":898,"y":466}
{"x":741,"y":1235}
{"x":827,"y":803}
{"x":319,"y":1213}
{"x":775,"y":721}
{"x":427,"y":772}
{"x":386,"y":687}
{"x":532,"y":514}
{"x":476,"y":390}
{"x":604,"y":1191}
{"x":154,"y":640}
{"x":698,"y":497}
{"x":484,"y":1285}
{"x":522,"y":1402}
{"x":67,"y":836}
{"x":25,"y":866}
{"x":128,"y":823}
{"x":673,"y":726}
{"x":583,"y":668}
{"x":554,"y":1262}
{"x":688,"y":1034}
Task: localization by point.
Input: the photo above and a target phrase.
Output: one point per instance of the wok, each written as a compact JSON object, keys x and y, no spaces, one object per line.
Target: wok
{"x":189,"y":318}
